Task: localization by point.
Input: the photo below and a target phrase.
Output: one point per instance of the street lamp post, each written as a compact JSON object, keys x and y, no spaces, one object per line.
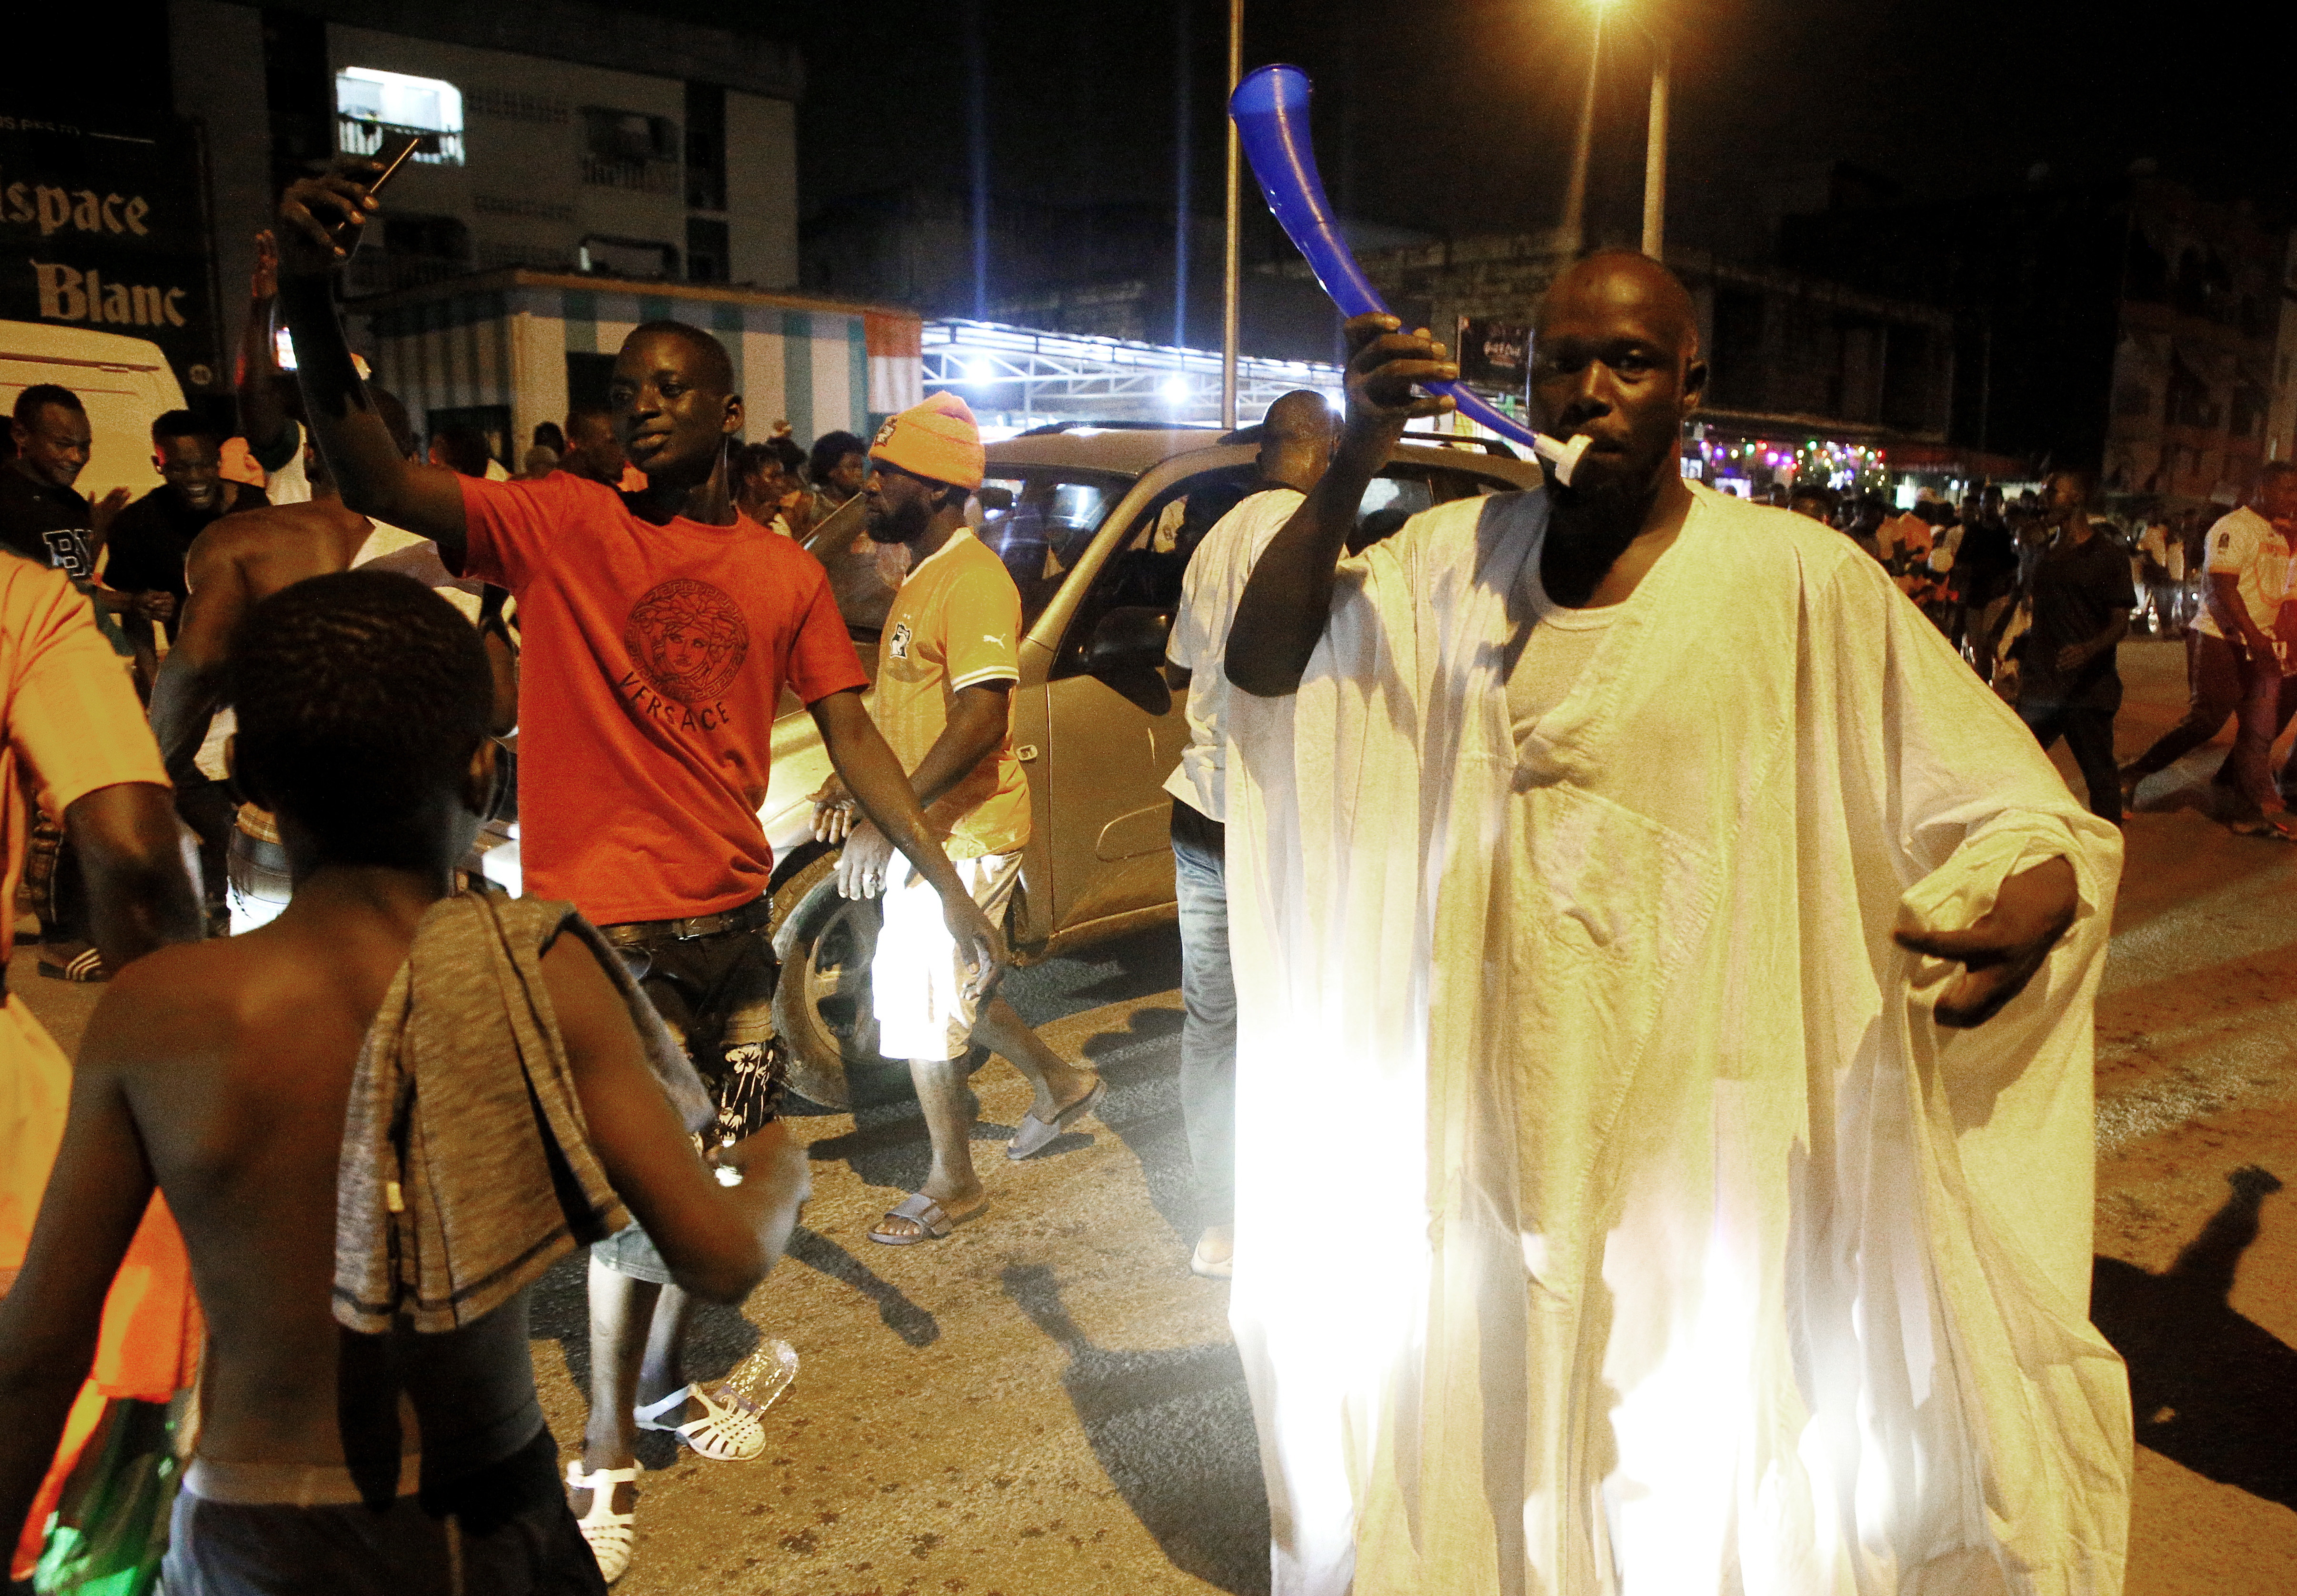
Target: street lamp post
{"x":1574,"y":195}
{"x":1235,"y":220}
{"x":1655,"y":152}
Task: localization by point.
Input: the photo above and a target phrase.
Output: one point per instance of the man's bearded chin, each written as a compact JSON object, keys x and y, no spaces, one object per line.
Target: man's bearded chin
{"x":1604,"y":504}
{"x":904,"y":525}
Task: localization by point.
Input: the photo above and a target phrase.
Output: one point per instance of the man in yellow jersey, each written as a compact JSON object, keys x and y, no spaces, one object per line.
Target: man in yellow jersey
{"x":946,"y":667}
{"x":73,"y":743}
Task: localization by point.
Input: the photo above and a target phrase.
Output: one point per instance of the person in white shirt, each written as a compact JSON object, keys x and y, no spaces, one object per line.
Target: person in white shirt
{"x":2236,"y":662}
{"x":1622,"y":1206}
{"x":1296,"y":445}
{"x":2160,"y":578}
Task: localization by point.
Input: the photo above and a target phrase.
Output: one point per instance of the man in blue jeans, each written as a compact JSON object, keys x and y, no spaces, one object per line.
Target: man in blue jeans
{"x":1296,"y":445}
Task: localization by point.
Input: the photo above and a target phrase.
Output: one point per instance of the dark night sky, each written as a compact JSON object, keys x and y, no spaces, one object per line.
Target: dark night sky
{"x":1456,"y":115}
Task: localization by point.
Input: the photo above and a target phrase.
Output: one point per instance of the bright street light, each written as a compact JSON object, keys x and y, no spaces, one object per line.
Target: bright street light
{"x":1575,"y":201}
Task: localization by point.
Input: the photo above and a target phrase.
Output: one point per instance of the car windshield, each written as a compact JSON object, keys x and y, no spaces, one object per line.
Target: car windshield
{"x":1040,"y":519}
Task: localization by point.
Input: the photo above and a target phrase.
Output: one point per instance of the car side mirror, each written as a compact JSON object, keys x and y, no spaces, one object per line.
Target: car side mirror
{"x":1128,"y":641}
{"x":1126,"y":656}
{"x":995,"y":501}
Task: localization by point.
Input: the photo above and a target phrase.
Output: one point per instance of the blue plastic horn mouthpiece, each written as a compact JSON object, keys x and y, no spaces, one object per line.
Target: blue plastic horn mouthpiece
{"x":1271,"y":110}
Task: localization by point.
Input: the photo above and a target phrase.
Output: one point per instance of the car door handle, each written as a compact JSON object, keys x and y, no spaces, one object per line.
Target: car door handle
{"x":1026,"y":752}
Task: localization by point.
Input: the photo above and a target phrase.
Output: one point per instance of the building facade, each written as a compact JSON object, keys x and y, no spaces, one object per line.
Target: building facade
{"x":503,"y":352}
{"x":2132,"y":327}
{"x":562,"y":136}
{"x":1806,"y":376}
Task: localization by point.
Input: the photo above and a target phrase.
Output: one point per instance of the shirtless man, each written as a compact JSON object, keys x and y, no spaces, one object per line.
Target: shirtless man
{"x":230,"y":567}
{"x":221,"y":1071}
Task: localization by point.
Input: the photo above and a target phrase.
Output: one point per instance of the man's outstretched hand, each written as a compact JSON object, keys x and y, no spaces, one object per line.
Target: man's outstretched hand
{"x":313,"y":208}
{"x":2001,"y":952}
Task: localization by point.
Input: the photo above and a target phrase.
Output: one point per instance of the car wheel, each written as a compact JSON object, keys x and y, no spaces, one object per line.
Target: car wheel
{"x":821,"y":1003}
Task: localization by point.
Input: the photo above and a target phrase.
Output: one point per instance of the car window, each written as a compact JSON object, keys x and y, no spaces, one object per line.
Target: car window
{"x":1147,"y":569}
{"x":1403,"y":491}
{"x":1040,"y":521}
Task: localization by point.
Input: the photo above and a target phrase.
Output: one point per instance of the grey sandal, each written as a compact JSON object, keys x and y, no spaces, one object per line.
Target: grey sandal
{"x":1035,"y":1135}
{"x":933,"y":1221}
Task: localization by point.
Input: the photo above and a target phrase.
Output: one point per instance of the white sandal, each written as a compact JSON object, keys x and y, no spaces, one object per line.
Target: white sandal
{"x":607,"y":1532}
{"x":726,"y":1433}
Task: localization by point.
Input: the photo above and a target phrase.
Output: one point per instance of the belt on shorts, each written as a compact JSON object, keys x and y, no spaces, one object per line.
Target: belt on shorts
{"x":748,"y":916}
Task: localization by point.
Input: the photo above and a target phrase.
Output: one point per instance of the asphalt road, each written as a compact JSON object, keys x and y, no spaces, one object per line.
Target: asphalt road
{"x":1047,"y":1401}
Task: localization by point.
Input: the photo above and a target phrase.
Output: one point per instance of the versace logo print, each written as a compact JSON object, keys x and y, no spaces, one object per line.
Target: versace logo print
{"x":688,"y":639}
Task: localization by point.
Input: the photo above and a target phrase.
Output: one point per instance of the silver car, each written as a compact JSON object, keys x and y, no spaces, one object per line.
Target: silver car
{"x":1096,"y":525}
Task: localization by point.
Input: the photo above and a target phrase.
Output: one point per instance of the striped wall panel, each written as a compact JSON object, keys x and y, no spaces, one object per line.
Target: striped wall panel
{"x":819,"y":370}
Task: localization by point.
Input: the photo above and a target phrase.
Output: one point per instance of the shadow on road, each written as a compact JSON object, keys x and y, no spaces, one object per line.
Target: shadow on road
{"x":1136,"y":965}
{"x":1142,"y":1066}
{"x":2212,"y":1390}
{"x":1173,"y":1430}
{"x":901,"y":1316}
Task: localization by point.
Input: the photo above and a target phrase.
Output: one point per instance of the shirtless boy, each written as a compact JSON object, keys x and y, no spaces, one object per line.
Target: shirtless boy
{"x":221,"y":1070}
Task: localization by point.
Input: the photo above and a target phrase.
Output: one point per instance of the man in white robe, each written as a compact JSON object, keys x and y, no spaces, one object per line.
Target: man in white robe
{"x":1664,"y":1092}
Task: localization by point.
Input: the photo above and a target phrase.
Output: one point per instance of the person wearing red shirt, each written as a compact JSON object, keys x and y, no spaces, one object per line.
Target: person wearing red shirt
{"x":660,"y":629}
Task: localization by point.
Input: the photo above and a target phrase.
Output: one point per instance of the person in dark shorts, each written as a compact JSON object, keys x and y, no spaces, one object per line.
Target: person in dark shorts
{"x":227,"y":1074}
{"x":659,"y":627}
{"x":2066,"y":682}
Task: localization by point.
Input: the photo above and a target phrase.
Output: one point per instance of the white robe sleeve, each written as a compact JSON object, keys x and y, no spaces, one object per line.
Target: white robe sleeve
{"x":1327,"y":936}
{"x":2003,"y":1113}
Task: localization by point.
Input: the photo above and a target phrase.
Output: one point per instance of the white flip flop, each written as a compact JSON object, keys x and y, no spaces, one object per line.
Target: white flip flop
{"x":726,"y":1433}
{"x":608,"y":1533}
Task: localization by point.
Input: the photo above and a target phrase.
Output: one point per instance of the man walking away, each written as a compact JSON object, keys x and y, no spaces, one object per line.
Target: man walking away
{"x":361,"y":699}
{"x":1814,"y":501}
{"x":230,"y":567}
{"x":2232,"y":666}
{"x":660,"y":629}
{"x":74,"y":737}
{"x":2068,"y":685}
{"x":1987,"y":564}
{"x":947,"y":665}
{"x":1296,"y":445}
{"x":2161,"y":577}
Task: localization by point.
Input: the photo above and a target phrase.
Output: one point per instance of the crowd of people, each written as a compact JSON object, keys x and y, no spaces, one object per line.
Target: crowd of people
{"x":2037,"y":593}
{"x":1594,"y":945}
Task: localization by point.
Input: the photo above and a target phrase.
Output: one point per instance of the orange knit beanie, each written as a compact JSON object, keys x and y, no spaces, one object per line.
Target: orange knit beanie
{"x":936,"y":439}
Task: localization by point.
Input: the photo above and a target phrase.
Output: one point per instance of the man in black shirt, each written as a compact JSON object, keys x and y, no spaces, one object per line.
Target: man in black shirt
{"x":1986,"y":567}
{"x":41,"y":517}
{"x":149,"y":541}
{"x":2068,"y":685}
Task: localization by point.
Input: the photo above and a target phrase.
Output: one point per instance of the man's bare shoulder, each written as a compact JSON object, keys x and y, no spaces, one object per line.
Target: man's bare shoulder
{"x":299,"y":540}
{"x":169,"y":1007}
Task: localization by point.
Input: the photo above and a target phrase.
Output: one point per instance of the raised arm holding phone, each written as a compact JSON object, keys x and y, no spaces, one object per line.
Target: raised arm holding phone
{"x":660,"y":629}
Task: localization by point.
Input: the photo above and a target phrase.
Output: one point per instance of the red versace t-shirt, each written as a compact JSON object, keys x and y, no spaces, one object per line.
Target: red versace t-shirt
{"x":655,"y":660}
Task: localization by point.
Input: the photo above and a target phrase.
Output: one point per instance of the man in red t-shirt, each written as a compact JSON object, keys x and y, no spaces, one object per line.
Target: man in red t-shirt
{"x":660,"y":629}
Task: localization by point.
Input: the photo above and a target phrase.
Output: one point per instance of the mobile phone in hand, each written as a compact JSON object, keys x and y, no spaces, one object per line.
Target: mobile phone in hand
{"x":396,"y":151}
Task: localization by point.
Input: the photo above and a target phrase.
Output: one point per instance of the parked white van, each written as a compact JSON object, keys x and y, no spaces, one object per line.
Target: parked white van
{"x":126,"y":383}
